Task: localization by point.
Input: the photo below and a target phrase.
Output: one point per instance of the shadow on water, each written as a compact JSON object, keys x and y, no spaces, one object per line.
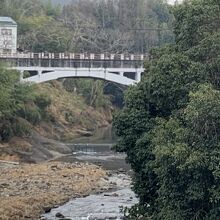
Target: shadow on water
{"x":98,"y":154}
{"x":102,"y":135}
{"x":97,"y":150}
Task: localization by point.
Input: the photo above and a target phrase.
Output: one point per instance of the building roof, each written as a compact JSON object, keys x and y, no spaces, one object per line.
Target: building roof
{"x":7,"y":21}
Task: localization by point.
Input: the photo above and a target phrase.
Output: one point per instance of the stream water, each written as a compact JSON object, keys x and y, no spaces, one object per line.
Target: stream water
{"x":107,"y":205}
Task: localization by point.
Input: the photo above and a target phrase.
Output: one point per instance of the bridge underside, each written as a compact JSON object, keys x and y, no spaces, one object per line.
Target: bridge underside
{"x":123,"y":76}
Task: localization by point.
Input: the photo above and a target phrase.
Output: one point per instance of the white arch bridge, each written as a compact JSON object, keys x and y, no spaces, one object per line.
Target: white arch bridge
{"x":125,"y":69}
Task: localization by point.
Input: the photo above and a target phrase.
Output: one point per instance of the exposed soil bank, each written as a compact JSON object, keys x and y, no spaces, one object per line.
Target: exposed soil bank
{"x":67,"y":118}
{"x":27,"y":191}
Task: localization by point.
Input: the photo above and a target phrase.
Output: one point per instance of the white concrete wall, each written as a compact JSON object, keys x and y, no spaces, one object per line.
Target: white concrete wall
{"x":8,"y":42}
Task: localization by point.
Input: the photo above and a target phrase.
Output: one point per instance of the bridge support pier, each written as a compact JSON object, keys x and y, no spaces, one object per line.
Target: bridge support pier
{"x":138,"y":76}
{"x":39,"y":73}
{"x":121,"y":73}
{"x":21,"y":75}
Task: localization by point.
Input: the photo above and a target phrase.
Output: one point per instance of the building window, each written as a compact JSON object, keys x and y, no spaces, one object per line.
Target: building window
{"x":6,"y":32}
{"x":7,"y":43}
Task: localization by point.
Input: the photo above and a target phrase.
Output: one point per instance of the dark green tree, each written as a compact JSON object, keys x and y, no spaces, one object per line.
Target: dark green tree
{"x":186,"y":162}
{"x":170,"y":123}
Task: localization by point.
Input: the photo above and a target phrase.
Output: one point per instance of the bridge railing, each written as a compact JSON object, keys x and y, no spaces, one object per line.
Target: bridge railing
{"x":75,"y":56}
{"x":75,"y":60}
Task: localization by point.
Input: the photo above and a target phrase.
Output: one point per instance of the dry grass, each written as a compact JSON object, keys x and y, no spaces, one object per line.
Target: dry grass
{"x":26,"y":190}
{"x":20,"y":144}
{"x":70,"y":110}
{"x":7,"y":157}
{"x":9,"y":151}
{"x":69,"y":117}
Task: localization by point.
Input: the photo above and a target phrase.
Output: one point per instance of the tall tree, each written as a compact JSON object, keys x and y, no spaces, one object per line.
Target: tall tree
{"x":170,"y":123}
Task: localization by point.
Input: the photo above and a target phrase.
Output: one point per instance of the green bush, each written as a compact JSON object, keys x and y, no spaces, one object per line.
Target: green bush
{"x":21,"y":127}
{"x":17,"y":101}
{"x":6,"y":131}
{"x":31,"y":113}
{"x":42,"y":101}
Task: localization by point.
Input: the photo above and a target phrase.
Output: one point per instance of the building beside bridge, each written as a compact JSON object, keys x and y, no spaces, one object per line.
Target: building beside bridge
{"x":8,"y":35}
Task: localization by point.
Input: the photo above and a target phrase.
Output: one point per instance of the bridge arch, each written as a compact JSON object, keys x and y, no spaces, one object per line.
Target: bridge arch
{"x":112,"y":75}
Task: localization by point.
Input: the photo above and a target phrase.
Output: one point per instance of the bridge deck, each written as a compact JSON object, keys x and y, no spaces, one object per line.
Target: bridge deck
{"x":73,"y":60}
{"x":124,"y":69}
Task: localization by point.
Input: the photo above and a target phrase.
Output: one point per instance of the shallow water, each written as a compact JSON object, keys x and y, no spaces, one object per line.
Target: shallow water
{"x":99,"y":154}
{"x":105,"y":205}
{"x":102,"y":206}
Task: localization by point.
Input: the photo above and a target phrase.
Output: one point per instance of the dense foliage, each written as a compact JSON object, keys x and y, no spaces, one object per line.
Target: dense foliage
{"x":20,"y":106}
{"x":91,"y":90}
{"x":90,"y":26}
{"x":170,"y":124}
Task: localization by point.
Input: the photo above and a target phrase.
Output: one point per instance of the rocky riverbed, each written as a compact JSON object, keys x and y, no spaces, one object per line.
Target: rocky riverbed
{"x":109,"y":202}
{"x":100,"y":206}
{"x":28,"y":190}
{"x":71,"y":187}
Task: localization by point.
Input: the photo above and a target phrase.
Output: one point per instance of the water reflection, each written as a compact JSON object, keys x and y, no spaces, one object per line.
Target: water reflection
{"x":102,"y":135}
{"x":99,"y":154}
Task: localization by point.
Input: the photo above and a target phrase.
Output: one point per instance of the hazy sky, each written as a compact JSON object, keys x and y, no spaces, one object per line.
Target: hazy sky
{"x":171,"y":1}
{"x":67,"y":1}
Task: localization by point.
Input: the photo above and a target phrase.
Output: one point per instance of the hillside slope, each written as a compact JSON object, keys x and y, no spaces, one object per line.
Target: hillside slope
{"x":70,"y":116}
{"x":67,"y":117}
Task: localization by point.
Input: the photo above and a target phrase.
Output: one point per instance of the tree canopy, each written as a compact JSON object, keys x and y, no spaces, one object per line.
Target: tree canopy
{"x":90,"y":26}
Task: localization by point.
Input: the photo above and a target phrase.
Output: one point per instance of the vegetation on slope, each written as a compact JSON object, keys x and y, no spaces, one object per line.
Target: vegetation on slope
{"x":20,"y":105}
{"x":170,"y":124}
{"x":46,"y":110}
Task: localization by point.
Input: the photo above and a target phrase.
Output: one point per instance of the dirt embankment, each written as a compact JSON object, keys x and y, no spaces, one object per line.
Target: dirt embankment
{"x":69,"y":115}
{"x":27,"y":191}
{"x":66,"y":118}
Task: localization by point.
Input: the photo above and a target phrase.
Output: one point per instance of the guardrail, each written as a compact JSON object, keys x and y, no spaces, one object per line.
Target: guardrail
{"x":75,"y":56}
